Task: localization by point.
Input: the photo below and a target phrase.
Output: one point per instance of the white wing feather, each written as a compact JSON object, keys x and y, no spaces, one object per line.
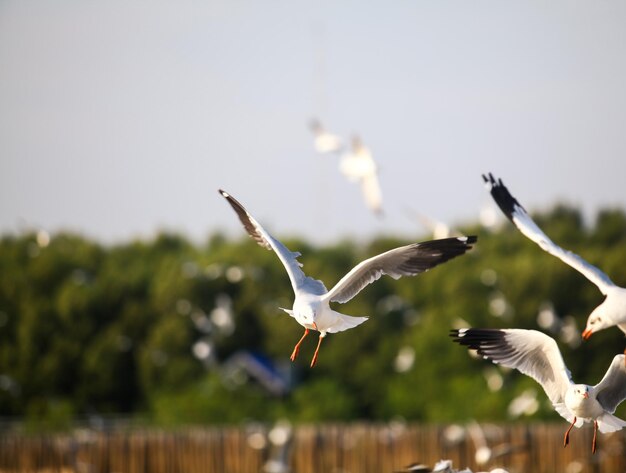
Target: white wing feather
{"x":299,"y":281}
{"x":518,"y":215}
{"x":529,"y":351}
{"x":611,"y":390}
{"x":406,"y":260}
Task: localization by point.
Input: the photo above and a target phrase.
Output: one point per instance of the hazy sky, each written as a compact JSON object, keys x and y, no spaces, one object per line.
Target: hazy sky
{"x":118,"y":119}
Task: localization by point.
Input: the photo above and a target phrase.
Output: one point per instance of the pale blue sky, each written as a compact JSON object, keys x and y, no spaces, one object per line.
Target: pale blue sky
{"x":118,"y":119}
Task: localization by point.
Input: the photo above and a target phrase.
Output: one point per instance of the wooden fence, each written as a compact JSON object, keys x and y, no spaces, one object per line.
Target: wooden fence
{"x":337,"y":448}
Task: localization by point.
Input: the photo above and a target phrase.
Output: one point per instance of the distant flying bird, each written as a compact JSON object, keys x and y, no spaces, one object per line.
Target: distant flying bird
{"x":324,"y":141}
{"x":537,"y":355}
{"x":442,"y":466}
{"x":311,"y":307}
{"x":437,"y":228}
{"x":483,"y":454}
{"x":612,"y":311}
{"x":358,"y":165}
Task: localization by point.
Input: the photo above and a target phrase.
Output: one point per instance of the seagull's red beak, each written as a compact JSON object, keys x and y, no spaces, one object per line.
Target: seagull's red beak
{"x":587,"y":333}
{"x":315,"y":326}
{"x":586,"y":395}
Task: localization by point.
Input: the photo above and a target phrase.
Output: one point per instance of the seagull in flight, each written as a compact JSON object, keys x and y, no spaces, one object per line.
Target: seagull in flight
{"x":324,"y":141}
{"x":437,"y":228}
{"x":311,"y":307}
{"x":358,"y":165}
{"x":537,"y":355}
{"x":612,"y":311}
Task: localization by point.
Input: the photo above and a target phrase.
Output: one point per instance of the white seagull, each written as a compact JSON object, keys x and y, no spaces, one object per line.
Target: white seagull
{"x":537,"y":355}
{"x":311,"y":307}
{"x":612,"y":311}
{"x":324,"y":141}
{"x":358,"y":165}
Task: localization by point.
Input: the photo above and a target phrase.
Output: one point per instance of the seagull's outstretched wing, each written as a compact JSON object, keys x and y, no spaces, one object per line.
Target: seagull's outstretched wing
{"x":518,"y":215}
{"x":529,"y":351}
{"x":325,"y":142}
{"x":611,"y":391}
{"x":358,"y":165}
{"x":370,"y":187}
{"x":289,"y":258}
{"x":404,"y":261}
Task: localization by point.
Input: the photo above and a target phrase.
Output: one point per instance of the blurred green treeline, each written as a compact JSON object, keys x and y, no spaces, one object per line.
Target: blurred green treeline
{"x":146,"y":329}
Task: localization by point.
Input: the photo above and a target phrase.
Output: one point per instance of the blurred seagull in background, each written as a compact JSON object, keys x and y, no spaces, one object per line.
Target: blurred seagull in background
{"x":358,"y":165}
{"x":537,"y":355}
{"x":324,"y":141}
{"x":311,"y":307}
{"x":415,"y":468}
{"x":483,"y":454}
{"x":442,"y":466}
{"x":612,"y":311}
{"x":437,"y":228}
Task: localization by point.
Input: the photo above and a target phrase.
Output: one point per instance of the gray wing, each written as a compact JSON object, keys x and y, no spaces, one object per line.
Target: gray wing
{"x":532,"y":353}
{"x":299,"y":281}
{"x":404,"y":261}
{"x":518,"y":215}
{"x":611,"y":391}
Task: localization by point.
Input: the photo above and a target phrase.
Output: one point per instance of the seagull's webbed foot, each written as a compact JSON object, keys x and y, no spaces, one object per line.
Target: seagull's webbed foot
{"x":296,"y":349}
{"x":566,"y":437}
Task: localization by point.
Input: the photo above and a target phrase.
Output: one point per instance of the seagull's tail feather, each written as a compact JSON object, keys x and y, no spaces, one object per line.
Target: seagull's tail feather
{"x":609,"y":423}
{"x":345,"y":322}
{"x":289,"y":311}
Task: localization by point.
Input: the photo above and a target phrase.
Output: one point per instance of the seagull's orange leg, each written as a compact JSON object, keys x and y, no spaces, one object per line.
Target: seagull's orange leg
{"x":319,"y":342}
{"x":566,"y":437}
{"x":296,"y":349}
{"x":595,"y":434}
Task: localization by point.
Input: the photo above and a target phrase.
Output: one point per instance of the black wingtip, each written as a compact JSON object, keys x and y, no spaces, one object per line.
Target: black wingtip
{"x":482,"y":339}
{"x":232,"y":201}
{"x":455,"y":241}
{"x":458,"y":334}
{"x":435,"y":252}
{"x":246,"y":219}
{"x":452,"y":246}
{"x":502,"y":196}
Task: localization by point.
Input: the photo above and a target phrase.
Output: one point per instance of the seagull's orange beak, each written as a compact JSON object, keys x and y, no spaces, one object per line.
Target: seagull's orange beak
{"x":587,"y":333}
{"x":315,"y":326}
{"x":586,"y":395}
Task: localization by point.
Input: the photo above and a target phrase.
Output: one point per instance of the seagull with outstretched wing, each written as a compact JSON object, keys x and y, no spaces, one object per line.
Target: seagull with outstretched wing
{"x":612,"y":311}
{"x":324,"y":141}
{"x":537,"y":355}
{"x":358,"y":165}
{"x":311,"y":307}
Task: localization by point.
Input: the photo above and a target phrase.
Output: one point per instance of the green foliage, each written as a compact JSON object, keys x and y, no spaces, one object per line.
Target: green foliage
{"x":210,"y":401}
{"x":89,"y":329}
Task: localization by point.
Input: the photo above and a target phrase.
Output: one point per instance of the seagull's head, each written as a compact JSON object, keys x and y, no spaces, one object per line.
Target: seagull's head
{"x":577,"y":395}
{"x":582,"y":390}
{"x":308,"y":316}
{"x":595,"y":323}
